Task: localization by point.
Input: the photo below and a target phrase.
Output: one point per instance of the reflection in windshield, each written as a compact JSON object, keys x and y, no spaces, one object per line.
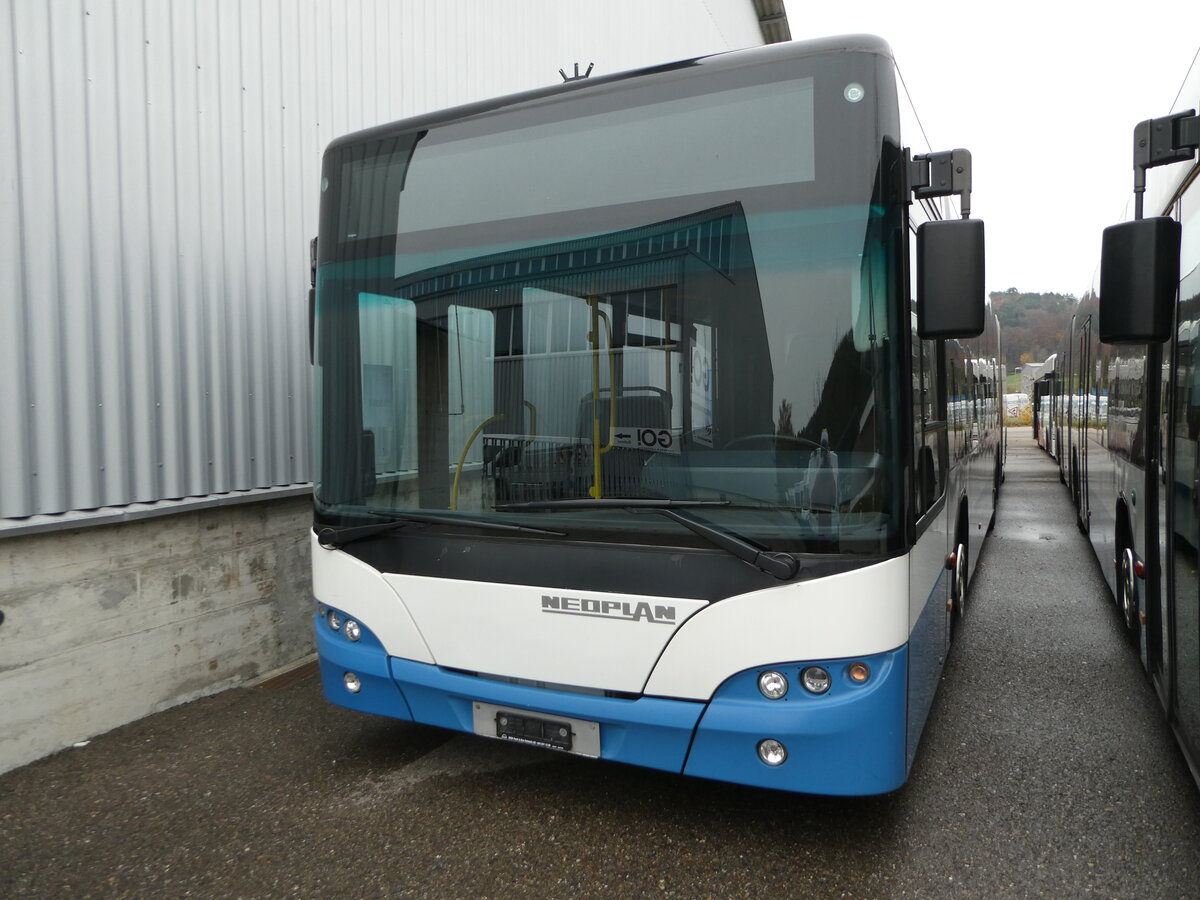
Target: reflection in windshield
{"x":643,"y":363}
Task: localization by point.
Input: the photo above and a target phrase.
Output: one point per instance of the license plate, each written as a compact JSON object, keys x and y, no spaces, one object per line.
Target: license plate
{"x":506,"y":723}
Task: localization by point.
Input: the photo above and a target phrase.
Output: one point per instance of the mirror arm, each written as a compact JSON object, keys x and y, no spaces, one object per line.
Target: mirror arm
{"x":1157,"y":142}
{"x":941,"y":175}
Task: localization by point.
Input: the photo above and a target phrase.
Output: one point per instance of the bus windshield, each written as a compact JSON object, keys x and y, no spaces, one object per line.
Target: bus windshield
{"x":682,"y":293}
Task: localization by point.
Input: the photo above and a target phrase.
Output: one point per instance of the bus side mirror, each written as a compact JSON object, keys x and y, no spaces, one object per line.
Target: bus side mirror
{"x":1139,"y":274}
{"x":950,"y":289}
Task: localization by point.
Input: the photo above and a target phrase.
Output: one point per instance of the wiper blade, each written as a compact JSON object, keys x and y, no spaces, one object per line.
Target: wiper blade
{"x":331,"y":537}
{"x":781,"y":565}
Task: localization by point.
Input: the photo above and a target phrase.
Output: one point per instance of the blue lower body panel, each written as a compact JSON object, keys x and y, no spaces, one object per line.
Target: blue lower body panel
{"x":648,"y":731}
{"x":849,"y":740}
{"x":367,"y":660}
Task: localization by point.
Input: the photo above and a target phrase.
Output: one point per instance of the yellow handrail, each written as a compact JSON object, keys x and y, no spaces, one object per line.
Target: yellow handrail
{"x":532,"y":422}
{"x":593,"y":339}
{"x":462,"y":457}
{"x":612,"y":384}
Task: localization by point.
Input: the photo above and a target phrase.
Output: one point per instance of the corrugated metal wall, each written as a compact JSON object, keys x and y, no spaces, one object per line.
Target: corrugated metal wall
{"x":159,"y":188}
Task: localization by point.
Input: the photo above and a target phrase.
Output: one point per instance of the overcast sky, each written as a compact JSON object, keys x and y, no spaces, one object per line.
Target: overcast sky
{"x":1045,"y":96}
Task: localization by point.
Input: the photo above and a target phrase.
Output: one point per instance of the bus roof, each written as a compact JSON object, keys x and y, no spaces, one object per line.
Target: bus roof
{"x":858,"y":43}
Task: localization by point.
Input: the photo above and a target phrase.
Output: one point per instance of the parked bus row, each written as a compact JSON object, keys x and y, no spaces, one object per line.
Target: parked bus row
{"x":659,"y":417}
{"x":1118,"y":407}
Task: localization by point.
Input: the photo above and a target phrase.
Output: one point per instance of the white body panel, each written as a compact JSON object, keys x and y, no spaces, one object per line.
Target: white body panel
{"x":502,"y":629}
{"x":928,"y":561}
{"x":852,"y":614}
{"x":360,"y":592}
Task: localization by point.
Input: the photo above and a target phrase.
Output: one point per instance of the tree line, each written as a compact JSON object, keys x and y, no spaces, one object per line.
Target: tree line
{"x":1031,"y":324}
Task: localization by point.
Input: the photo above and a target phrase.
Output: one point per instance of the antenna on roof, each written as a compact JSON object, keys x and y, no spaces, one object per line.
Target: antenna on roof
{"x":576,"y":76}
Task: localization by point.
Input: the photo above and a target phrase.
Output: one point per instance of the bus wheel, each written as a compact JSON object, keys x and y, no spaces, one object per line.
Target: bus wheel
{"x":958,"y":587}
{"x":1127,"y":588}
{"x":997,"y":477}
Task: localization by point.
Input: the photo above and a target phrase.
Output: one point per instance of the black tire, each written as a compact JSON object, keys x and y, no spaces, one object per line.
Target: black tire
{"x":958,"y":586}
{"x":996,"y":480}
{"x":1127,"y":594}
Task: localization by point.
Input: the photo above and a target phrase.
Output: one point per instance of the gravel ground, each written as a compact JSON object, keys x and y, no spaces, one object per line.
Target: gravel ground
{"x":1046,"y":771}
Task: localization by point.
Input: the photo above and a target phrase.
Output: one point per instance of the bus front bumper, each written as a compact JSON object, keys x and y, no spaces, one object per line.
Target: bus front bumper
{"x":848,"y":741}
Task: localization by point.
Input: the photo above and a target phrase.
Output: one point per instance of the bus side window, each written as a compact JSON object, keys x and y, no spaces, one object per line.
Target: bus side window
{"x":929,"y":427}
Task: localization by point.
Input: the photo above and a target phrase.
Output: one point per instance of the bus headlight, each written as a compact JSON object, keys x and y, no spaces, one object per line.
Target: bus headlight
{"x":333,"y":620}
{"x":772,"y":752}
{"x":815,"y":680}
{"x":353,"y":682}
{"x":772,"y":685}
{"x":352,"y":630}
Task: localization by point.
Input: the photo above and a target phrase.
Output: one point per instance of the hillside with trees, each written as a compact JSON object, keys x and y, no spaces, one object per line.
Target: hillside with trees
{"x":1031,"y":325}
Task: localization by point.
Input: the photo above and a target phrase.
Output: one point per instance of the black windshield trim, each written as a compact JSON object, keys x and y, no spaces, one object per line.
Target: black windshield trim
{"x":334,"y":538}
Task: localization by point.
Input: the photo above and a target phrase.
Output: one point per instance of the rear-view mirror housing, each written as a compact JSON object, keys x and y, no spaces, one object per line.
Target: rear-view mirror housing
{"x":950,"y":279}
{"x":1139,"y":275}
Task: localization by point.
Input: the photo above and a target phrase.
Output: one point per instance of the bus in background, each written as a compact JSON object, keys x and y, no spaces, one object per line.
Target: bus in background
{"x":1042,"y":396}
{"x":1148,"y":326}
{"x":1085,"y":466}
{"x":657,"y":418}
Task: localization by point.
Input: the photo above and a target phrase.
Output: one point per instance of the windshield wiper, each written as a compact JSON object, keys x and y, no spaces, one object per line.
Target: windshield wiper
{"x":331,"y":537}
{"x":781,"y":565}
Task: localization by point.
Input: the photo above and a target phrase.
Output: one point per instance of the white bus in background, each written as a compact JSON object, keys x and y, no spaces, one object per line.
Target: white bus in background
{"x":1138,"y":487}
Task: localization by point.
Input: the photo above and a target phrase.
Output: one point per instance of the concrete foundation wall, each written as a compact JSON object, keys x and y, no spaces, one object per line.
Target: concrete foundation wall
{"x":106,"y":624}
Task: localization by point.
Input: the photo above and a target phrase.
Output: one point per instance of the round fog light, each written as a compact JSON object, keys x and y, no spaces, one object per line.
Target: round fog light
{"x":859,"y":672}
{"x":352,"y":630}
{"x":334,"y":620}
{"x":353,"y":682}
{"x":772,"y":752}
{"x":772,"y":685}
{"x":815,"y":679}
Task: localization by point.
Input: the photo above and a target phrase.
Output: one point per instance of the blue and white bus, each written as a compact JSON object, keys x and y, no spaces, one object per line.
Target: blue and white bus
{"x":634,"y":440}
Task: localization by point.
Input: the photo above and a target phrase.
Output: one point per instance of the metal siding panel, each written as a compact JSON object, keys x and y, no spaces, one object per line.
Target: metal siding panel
{"x":160,"y":177}
{"x":189,"y":165}
{"x":16,"y":494}
{"x":69,"y":160}
{"x":45,"y":411}
{"x":105,"y":297}
{"x":133,"y":244}
{"x":210,"y":218}
{"x":256,"y":226}
{"x":230,"y":386}
{"x":295,"y":185}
